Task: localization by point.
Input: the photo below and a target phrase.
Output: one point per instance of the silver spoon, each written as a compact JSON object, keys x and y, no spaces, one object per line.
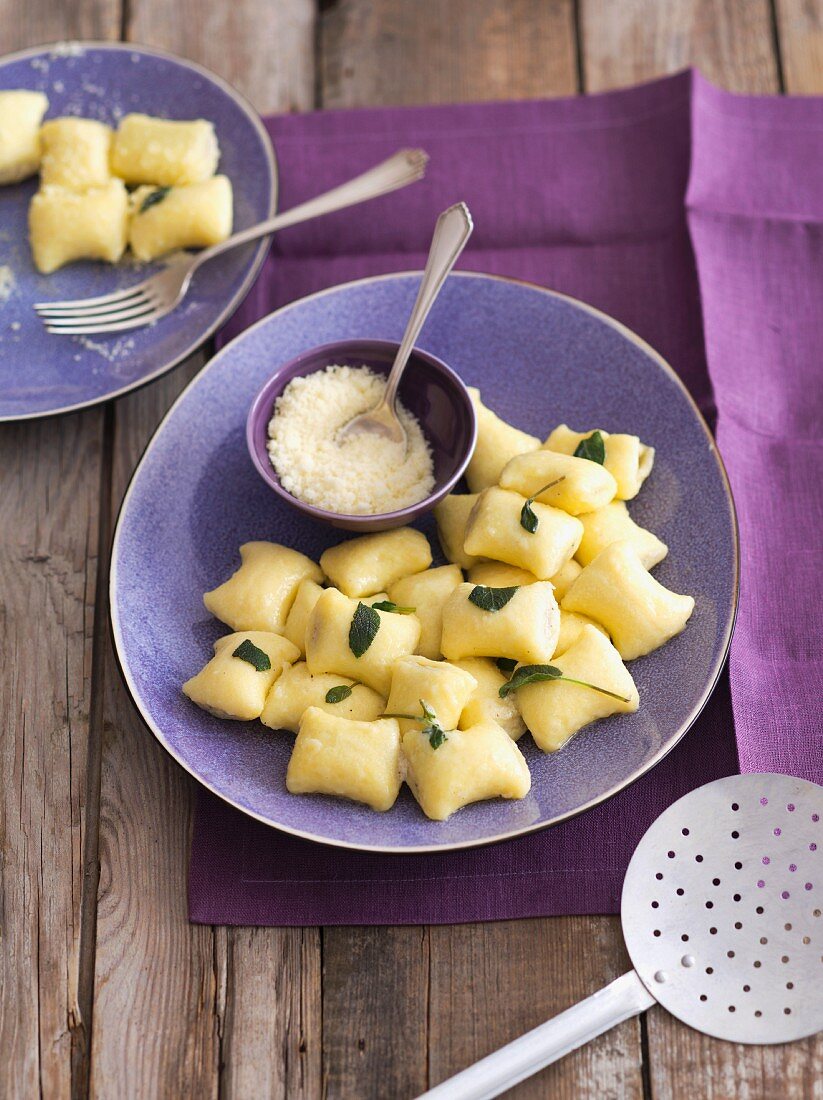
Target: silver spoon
{"x":722,"y":913}
{"x":453,"y":229}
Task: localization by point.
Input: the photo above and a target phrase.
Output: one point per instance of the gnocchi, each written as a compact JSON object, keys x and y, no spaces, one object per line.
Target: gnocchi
{"x":525,"y":629}
{"x":444,"y":688}
{"x":627,"y":459}
{"x":21,"y":113}
{"x":259,"y":595}
{"x":554,"y":710}
{"x":452,"y":515}
{"x":573,"y":485}
{"x":67,"y":225}
{"x":470,"y":765}
{"x":485,"y":703}
{"x":163,"y":152}
{"x":613,"y":524}
{"x":232,"y":686}
{"x":497,"y":442}
{"x":494,"y":531}
{"x":195,"y":215}
{"x":427,"y":592}
{"x":365,"y":565}
{"x":296,"y":690}
{"x":355,"y":760}
{"x":638,"y":612}
{"x":75,"y":153}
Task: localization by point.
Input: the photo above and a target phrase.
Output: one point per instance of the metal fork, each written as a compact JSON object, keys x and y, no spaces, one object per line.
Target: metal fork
{"x":152,"y":299}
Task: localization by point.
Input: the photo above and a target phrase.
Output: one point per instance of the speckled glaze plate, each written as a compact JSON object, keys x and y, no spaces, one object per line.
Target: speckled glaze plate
{"x":539,"y":359}
{"x":41,"y":374}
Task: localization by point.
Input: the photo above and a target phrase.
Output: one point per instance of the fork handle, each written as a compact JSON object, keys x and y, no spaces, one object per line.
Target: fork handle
{"x":401,"y":169}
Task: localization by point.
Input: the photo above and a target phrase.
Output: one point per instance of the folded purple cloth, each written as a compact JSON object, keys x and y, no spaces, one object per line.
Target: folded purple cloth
{"x":595,"y":197}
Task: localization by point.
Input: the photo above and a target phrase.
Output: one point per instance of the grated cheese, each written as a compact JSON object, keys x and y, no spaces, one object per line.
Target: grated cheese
{"x":365,"y":474}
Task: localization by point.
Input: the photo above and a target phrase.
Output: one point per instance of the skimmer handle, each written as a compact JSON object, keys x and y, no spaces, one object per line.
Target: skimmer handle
{"x":622,"y":999}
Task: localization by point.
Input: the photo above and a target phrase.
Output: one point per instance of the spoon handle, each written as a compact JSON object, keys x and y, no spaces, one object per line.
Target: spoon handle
{"x":451,"y":232}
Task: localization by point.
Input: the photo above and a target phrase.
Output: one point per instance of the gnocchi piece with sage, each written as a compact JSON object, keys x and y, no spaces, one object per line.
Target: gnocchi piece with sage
{"x":522,"y":624}
{"x":236,"y":681}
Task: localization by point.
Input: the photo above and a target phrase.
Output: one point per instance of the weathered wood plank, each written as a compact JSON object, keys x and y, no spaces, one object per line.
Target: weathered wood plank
{"x":641,"y":39}
{"x":49,"y":523}
{"x":392,"y":51}
{"x":265,"y":49}
{"x":493,"y":982}
{"x":733,"y":44}
{"x":800,"y":38}
{"x":183,"y":1010}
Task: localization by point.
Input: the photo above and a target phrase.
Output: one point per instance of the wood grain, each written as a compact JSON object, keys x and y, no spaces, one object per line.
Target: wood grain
{"x":49,"y":520}
{"x":264,"y":48}
{"x":429,"y":52}
{"x":799,"y":25}
{"x":184,"y":1010}
{"x":731,"y":42}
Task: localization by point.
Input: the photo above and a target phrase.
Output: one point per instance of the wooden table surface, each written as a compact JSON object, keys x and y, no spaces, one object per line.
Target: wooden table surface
{"x":105,"y":989}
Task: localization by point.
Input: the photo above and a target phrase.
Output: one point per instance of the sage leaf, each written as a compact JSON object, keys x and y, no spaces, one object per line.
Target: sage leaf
{"x":506,"y":664}
{"x":393,"y":608}
{"x":491,"y":599}
{"x":153,"y":198}
{"x":593,"y":448}
{"x":363,"y":630}
{"x":535,"y":674}
{"x":338,"y":694}
{"x":528,"y":519}
{"x":249,"y":652}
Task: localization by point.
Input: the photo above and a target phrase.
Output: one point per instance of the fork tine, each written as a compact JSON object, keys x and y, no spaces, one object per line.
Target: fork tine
{"x":136,"y":309}
{"x":86,"y":329}
{"x":103,"y":300}
{"x":86,"y":313}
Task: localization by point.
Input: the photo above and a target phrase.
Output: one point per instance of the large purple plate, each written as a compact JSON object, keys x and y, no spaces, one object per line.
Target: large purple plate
{"x":539,"y":359}
{"x":41,"y":373}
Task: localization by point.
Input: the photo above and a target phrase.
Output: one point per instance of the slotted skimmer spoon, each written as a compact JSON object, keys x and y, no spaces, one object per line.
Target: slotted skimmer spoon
{"x":147,"y":302}
{"x":452,"y":229}
{"x":721,"y":913}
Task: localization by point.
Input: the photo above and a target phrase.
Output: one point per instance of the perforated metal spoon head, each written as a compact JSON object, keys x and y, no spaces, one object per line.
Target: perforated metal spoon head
{"x":722,"y":909}
{"x":722,"y":913}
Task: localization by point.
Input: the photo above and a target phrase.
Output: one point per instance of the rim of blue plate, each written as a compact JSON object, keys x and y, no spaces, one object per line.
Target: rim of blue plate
{"x":262,"y":248}
{"x":648,"y":765}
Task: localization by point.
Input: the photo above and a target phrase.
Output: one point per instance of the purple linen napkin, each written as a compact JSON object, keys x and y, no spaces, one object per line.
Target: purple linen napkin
{"x":586,"y":196}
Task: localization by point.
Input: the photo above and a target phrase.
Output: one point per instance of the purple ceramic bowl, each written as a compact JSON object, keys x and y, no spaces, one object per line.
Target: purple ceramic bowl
{"x":429,"y":389}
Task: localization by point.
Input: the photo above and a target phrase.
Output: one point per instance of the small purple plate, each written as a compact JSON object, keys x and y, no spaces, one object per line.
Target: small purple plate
{"x":539,"y":359}
{"x":429,"y":389}
{"x":42,"y":373}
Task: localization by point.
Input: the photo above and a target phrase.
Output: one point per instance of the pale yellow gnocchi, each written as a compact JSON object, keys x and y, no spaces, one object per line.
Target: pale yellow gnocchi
{"x":236,"y":681}
{"x":332,"y":639}
{"x":525,"y":628}
{"x":307,"y":594}
{"x":639,"y":613}
{"x":164,"y":152}
{"x":574,"y":485}
{"x":444,"y":688}
{"x":571,"y":627}
{"x":356,"y":760}
{"x":470,"y":765}
{"x":194,"y":215}
{"x":452,"y":515}
{"x":627,"y":459}
{"x":495,"y":531}
{"x":66,"y":225}
{"x":21,"y":113}
{"x":614,"y":524}
{"x":427,"y":593}
{"x":554,"y":710}
{"x":371,"y":563}
{"x":75,"y":153}
{"x":296,"y":690}
{"x":497,"y":442}
{"x":259,"y":595}
{"x":485,"y":703}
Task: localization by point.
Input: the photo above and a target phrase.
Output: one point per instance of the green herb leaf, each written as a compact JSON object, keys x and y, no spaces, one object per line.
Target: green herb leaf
{"x":436,"y":736}
{"x":433,"y":730}
{"x":528,"y":520}
{"x":593,"y":448}
{"x":338,"y":694}
{"x":506,"y":664}
{"x":534,"y":674}
{"x":363,"y":630}
{"x":153,"y":198}
{"x":491,"y":599}
{"x":394,"y":608}
{"x":249,"y":652}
